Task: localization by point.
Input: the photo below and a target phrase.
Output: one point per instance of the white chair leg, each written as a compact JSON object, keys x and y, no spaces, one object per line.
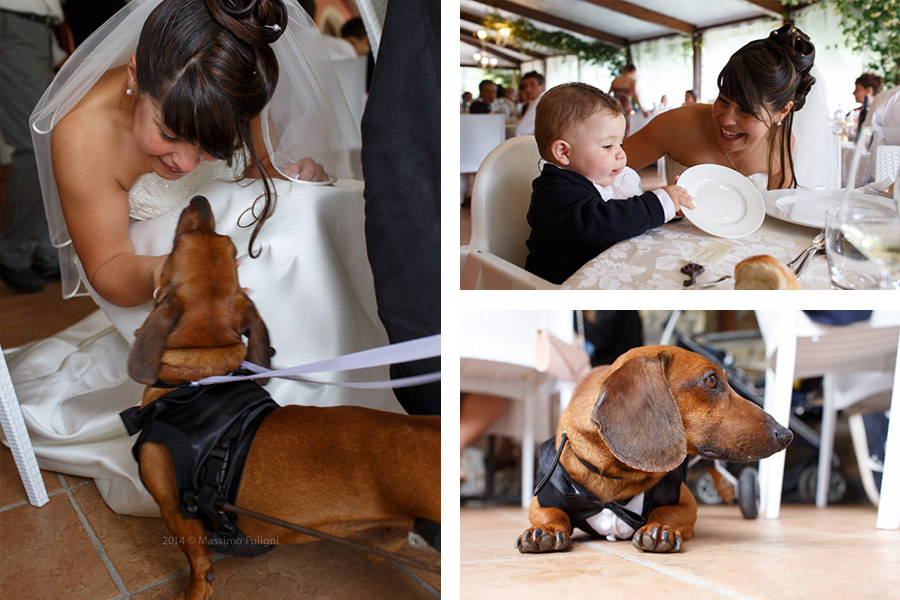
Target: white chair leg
{"x":779,"y":381}
{"x":826,"y":440}
{"x":863,"y":458}
{"x":889,"y":503}
{"x":18,"y":440}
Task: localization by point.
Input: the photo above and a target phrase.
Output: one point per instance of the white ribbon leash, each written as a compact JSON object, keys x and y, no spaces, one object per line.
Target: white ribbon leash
{"x":426,"y":347}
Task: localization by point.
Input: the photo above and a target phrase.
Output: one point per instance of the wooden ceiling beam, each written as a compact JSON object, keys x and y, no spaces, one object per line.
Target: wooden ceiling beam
{"x":542,"y":17}
{"x":471,"y":38}
{"x":775,"y":7}
{"x":644,"y":14}
{"x":465,"y":36}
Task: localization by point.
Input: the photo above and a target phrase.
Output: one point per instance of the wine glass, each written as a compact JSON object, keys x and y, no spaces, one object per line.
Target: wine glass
{"x":878,"y":239}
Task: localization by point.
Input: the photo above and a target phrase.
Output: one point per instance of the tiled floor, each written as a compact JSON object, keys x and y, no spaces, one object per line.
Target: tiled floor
{"x":834,"y":552}
{"x":76,"y":548}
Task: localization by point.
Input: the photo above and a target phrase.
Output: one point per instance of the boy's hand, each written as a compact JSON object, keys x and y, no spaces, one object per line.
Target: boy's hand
{"x":680,"y":198}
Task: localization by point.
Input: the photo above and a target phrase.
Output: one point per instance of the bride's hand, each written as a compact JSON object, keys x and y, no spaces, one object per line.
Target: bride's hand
{"x":307,"y":170}
{"x":156,"y":271}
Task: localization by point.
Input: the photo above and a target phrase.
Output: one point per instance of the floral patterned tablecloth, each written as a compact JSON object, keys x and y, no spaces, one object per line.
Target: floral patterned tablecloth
{"x":654,"y":260}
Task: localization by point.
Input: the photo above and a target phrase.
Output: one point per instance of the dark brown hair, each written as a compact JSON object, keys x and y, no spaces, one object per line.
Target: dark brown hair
{"x":764,"y":76}
{"x":870,"y":80}
{"x":564,"y":106}
{"x":209,"y":67}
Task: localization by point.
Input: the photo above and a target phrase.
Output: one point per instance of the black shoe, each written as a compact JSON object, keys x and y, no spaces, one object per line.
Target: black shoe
{"x":47,"y":273}
{"x":21,"y":280}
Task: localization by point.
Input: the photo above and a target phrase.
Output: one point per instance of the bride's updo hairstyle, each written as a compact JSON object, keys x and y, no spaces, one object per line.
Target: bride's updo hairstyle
{"x":764,"y":76}
{"x":209,"y":67}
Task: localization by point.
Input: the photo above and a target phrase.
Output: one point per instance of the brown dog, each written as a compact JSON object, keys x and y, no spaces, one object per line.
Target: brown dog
{"x":629,"y":427}
{"x":348,"y":471}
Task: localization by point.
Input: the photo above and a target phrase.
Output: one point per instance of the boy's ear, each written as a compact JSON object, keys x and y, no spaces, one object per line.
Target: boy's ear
{"x":559,"y":149}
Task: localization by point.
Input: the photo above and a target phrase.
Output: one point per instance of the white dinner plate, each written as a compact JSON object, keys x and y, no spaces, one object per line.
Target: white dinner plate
{"x":727,"y":203}
{"x":807,"y":207}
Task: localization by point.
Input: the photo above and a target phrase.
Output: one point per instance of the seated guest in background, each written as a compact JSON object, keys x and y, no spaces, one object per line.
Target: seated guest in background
{"x":487,"y":99}
{"x":530,"y":91}
{"x":466,"y":101}
{"x":503,"y":95}
{"x":663,"y":105}
{"x":576,"y":211}
{"x":867,"y":86}
{"x":689,"y":97}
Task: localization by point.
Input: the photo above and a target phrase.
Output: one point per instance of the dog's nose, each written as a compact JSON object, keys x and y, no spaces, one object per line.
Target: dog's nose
{"x":783,"y":436}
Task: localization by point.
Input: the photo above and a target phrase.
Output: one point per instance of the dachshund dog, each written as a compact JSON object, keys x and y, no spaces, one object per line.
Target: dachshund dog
{"x":625,"y":435}
{"x":350,"y":472}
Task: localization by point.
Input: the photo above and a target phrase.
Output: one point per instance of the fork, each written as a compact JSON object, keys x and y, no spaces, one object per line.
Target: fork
{"x":799,"y":263}
{"x":699,"y":285}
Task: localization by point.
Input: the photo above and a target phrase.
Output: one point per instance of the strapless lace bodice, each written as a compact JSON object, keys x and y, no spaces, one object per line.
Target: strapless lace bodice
{"x":152,"y":196}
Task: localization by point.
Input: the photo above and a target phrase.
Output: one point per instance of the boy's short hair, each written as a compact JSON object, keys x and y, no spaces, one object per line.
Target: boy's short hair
{"x":566,"y":105}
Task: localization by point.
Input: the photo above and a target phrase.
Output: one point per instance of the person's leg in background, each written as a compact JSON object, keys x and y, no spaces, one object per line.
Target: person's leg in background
{"x":26,"y":68}
{"x":401,"y":151}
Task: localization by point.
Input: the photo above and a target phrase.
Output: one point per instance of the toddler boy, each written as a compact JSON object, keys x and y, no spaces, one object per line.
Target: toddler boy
{"x":586,"y":199}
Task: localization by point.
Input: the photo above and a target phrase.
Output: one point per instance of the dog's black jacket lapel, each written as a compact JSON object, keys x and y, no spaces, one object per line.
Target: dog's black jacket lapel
{"x":562,"y":492}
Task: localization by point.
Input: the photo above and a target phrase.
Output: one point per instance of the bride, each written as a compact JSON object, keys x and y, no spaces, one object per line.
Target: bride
{"x":235,"y":100}
{"x":769,"y":121}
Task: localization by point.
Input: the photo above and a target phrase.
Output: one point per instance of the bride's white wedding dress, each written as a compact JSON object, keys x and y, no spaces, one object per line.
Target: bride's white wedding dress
{"x":311,"y":283}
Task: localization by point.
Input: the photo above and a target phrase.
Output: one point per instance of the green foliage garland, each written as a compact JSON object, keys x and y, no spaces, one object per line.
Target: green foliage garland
{"x":524,"y":36}
{"x":872,"y":25}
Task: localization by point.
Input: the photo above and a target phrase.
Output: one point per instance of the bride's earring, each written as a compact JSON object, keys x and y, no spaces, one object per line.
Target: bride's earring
{"x":130,"y":92}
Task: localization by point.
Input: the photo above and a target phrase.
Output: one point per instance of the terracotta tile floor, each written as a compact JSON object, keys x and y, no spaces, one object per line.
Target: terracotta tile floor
{"x":76,"y":548}
{"x":834,"y":552}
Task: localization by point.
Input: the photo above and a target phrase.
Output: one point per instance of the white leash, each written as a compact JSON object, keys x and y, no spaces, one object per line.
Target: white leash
{"x":426,"y":347}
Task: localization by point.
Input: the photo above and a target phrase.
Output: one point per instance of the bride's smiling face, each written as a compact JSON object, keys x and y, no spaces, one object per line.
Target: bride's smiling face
{"x":172,"y":156}
{"x":735,"y":129}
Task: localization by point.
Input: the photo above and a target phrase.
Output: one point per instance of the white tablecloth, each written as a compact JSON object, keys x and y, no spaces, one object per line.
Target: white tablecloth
{"x":654,"y":260}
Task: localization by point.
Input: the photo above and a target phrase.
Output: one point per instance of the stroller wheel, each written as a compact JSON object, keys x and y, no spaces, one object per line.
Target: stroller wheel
{"x":748,"y":492}
{"x":806,"y":485}
{"x":705,"y":489}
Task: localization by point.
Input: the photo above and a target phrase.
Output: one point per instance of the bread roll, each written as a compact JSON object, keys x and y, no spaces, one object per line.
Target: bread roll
{"x":764,"y":273}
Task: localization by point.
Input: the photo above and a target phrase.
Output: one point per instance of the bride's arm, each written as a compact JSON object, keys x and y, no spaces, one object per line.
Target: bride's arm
{"x":95,"y":206}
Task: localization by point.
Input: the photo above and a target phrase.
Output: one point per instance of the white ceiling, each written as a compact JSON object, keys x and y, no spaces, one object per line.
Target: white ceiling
{"x":701,"y":14}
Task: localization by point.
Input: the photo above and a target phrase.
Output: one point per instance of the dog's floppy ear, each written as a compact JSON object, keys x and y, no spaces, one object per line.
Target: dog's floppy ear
{"x":638,"y":417}
{"x":259,"y":351}
{"x":150,"y":341}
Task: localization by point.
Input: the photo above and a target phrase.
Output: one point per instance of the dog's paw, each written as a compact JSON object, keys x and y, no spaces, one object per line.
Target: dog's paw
{"x":654,"y":537}
{"x":537,"y":540}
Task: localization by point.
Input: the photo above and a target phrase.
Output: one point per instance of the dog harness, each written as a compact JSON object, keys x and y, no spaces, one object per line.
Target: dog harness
{"x":616,"y":520}
{"x":208,"y":430}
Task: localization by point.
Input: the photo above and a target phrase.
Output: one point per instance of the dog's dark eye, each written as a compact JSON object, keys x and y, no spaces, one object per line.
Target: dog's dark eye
{"x":710,"y":381}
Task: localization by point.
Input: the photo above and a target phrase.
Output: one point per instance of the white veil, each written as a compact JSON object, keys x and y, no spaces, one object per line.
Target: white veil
{"x":308,"y":115}
{"x":817,"y":158}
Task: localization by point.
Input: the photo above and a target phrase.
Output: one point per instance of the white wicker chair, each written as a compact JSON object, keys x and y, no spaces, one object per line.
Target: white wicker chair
{"x":18,"y":440}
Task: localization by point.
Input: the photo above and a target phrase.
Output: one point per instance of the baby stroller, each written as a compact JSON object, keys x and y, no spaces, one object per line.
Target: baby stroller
{"x":721,"y":481}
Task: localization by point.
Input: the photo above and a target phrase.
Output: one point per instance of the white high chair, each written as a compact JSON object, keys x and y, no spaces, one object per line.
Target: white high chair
{"x":495,"y":255}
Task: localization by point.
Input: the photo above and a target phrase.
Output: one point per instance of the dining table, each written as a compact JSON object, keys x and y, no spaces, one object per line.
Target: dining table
{"x":653,"y":260}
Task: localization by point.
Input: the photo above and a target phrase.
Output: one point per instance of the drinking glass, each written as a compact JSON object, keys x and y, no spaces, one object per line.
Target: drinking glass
{"x":862,"y":246}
